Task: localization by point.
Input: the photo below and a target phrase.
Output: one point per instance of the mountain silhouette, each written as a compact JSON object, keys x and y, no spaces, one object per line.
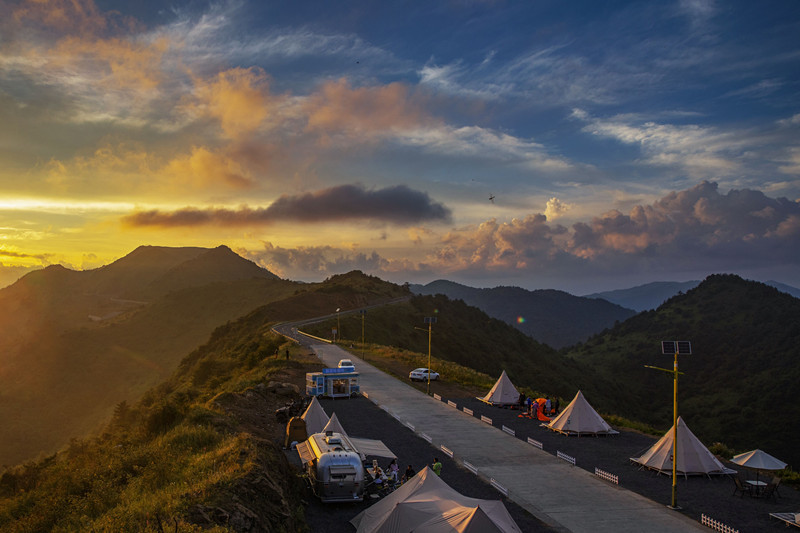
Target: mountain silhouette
{"x":78,"y":342}
{"x":555,"y":318}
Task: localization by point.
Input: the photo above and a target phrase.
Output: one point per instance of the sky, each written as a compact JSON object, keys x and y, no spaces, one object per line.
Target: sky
{"x":580,"y":146}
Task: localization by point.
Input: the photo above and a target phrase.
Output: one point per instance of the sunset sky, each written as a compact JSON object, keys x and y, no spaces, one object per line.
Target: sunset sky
{"x":620,"y":143}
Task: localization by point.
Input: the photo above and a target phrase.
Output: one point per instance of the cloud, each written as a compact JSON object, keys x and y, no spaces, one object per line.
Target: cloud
{"x":703,"y":152}
{"x":239,"y":98}
{"x":395,"y":205}
{"x":339,"y":108}
{"x":697,"y":231}
{"x":317,"y":262}
{"x":556,"y":208}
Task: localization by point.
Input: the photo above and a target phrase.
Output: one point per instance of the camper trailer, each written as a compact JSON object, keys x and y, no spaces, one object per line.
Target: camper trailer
{"x":334,"y":467}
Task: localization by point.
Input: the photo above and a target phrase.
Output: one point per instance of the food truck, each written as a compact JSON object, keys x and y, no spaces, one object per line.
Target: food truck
{"x":333,"y":383}
{"x":334,"y":466}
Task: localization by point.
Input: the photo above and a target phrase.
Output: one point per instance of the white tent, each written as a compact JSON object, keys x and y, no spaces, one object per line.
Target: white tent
{"x":364,"y":446}
{"x":315,"y":417}
{"x":580,"y":418}
{"x":693,"y":457}
{"x":503,"y":392}
{"x":335,"y":426}
{"x":426,"y":504}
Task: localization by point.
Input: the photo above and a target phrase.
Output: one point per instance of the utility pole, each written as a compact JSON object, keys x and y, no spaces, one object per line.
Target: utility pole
{"x":669,"y":348}
{"x":338,"y":334}
{"x":363,"y":314}
{"x":430,"y":320}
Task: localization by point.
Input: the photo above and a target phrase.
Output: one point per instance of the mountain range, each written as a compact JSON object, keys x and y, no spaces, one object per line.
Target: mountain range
{"x":555,"y":318}
{"x":79,"y":343}
{"x":651,"y":295}
{"x":76,"y":343}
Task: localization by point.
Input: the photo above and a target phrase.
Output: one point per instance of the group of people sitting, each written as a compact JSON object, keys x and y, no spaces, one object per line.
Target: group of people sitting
{"x":531,"y":406}
{"x":391,"y":476}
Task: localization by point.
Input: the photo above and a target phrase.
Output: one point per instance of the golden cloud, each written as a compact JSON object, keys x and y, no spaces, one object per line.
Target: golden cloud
{"x":131,"y":168}
{"x":338,"y":107}
{"x":239,"y":98}
{"x":79,"y":16}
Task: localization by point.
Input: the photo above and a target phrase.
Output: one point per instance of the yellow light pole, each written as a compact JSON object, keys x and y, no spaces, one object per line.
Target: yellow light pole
{"x":668,"y":348}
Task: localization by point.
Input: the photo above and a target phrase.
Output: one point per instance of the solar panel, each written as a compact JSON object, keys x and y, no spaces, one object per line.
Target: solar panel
{"x":673,"y":347}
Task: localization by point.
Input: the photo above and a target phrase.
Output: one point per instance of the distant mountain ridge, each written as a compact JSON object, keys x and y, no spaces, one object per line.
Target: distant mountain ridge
{"x":651,"y":295}
{"x":647,"y":296}
{"x":555,"y":318}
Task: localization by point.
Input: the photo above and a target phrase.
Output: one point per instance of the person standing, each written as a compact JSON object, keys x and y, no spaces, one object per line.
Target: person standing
{"x":409,"y":473}
{"x":547,"y":406}
{"x":437,"y":466}
{"x":394,"y":471}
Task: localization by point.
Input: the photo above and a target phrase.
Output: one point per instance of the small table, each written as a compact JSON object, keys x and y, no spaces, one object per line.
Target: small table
{"x":756,"y":487}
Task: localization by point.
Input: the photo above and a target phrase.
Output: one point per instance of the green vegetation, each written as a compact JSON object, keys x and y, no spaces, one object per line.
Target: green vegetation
{"x":175,"y":452}
{"x":738,"y":385}
{"x":183,"y":455}
{"x":463,"y":335}
{"x":179,"y":457}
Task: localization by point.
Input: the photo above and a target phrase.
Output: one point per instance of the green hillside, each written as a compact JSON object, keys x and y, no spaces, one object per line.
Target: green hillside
{"x":739,"y":384}
{"x":197,"y":452}
{"x":78,"y":343}
{"x":467,"y":336}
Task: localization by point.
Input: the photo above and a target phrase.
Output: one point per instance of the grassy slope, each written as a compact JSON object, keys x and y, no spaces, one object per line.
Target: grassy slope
{"x":738,"y":386}
{"x":179,"y":455}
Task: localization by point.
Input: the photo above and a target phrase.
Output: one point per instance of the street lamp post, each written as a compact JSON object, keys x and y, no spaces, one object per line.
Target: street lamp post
{"x":338,"y":326}
{"x":430,"y":320}
{"x":669,"y":348}
{"x":363,"y":313}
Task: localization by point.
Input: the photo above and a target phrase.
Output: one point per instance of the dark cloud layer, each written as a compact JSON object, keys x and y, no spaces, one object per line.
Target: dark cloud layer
{"x":696,"y":232}
{"x":396,"y":205}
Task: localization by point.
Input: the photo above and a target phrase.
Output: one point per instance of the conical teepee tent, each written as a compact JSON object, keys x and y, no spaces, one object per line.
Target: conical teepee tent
{"x":426,"y":504}
{"x":334,"y":425}
{"x":503,"y":392}
{"x":315,"y":417}
{"x":364,"y":446}
{"x":580,"y":418}
{"x":693,"y":457}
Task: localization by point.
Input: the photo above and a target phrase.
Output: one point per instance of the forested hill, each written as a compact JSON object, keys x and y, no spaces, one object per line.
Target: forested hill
{"x":739,"y":384}
{"x":465,"y":335}
{"x":555,"y":318}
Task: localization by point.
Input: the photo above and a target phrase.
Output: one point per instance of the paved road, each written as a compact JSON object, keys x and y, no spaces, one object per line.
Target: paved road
{"x":560,"y":495}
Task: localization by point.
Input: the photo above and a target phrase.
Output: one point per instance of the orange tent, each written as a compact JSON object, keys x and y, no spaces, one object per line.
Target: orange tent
{"x":540,"y":411}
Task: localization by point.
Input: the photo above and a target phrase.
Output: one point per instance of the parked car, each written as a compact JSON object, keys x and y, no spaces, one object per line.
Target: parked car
{"x":421,"y":374}
{"x":347,"y":363}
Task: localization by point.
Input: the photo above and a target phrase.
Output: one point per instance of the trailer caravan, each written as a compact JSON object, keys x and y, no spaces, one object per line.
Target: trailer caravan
{"x":334,"y":467}
{"x":333,"y":383}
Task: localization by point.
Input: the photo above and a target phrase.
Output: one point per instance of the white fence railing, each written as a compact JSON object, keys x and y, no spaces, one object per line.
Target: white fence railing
{"x":613,"y":478}
{"x":534,"y":442}
{"x":716,"y":525}
{"x":564,"y":457}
